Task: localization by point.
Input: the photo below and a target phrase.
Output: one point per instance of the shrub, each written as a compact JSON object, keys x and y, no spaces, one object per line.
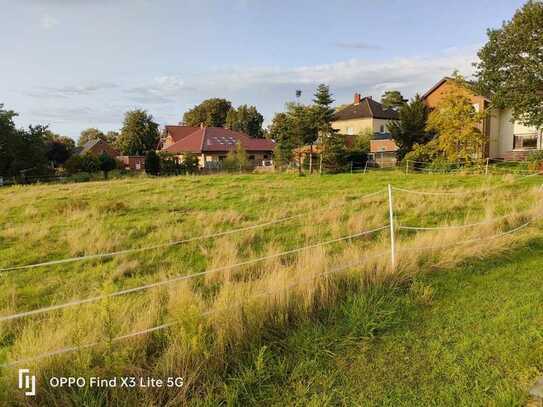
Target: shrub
{"x":168,"y":164}
{"x":535,"y":160}
{"x":107,"y":164}
{"x":152,"y":163}
{"x":190,"y":162}
{"x":423,"y":153}
{"x":85,"y":163}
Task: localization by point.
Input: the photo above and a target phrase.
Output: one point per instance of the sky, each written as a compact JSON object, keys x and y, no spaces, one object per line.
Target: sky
{"x":75,"y":64}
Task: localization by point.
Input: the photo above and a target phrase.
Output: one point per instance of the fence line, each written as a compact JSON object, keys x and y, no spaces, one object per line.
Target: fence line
{"x":464,"y":226}
{"x":450,"y":193}
{"x":172,"y":323}
{"x":175,"y":322}
{"x":179,"y":242}
{"x":183,"y":277}
{"x":253,"y":261}
{"x":496,"y":236}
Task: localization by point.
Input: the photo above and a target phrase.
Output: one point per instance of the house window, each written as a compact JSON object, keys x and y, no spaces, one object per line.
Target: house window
{"x":525,"y":142}
{"x":350,"y":131}
{"x":222,"y":157}
{"x":266,"y":156}
{"x":251,"y":157}
{"x":382,"y":129}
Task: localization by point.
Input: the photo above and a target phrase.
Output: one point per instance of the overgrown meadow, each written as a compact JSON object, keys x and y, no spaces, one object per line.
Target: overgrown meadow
{"x":215,"y":318}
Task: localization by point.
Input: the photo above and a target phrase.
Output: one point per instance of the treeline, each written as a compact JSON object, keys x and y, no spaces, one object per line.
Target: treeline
{"x":38,"y":152}
{"x":32,"y":151}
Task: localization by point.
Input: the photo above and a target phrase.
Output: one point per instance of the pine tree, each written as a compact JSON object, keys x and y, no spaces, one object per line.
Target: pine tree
{"x":323,"y":110}
{"x":411,"y":128}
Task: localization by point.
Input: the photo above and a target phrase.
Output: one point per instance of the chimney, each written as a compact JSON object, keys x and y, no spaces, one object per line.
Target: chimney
{"x":356,"y":98}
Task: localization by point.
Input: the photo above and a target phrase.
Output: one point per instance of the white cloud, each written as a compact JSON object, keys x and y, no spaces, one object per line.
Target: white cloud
{"x":48,"y":22}
{"x":357,"y":45}
{"x":71,"y":90}
{"x":267,"y":87}
{"x":163,"y":89}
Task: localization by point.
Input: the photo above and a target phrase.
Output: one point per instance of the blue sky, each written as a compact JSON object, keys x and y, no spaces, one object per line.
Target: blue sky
{"x":75,"y":64}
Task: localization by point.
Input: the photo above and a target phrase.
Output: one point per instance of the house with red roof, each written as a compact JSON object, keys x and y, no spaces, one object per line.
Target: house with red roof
{"x":212,"y":145}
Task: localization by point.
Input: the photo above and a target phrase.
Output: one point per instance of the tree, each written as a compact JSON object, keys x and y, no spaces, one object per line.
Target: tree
{"x":511,"y":65}
{"x":152,"y":163}
{"x":411,"y":128}
{"x":324,"y":112}
{"x":245,"y":119}
{"x":333,"y":152}
{"x":303,"y":127}
{"x":211,"y":113}
{"x":280,"y":131}
{"x":90,"y":134}
{"x":58,"y":148}
{"x":8,"y":140}
{"x":393,"y":99}
{"x":362,"y":140}
{"x":85,"y":163}
{"x":139,"y":133}
{"x":333,"y":146}
{"x":106,"y":164}
{"x":29,"y":152}
{"x":111,"y":137}
{"x":456,"y":122}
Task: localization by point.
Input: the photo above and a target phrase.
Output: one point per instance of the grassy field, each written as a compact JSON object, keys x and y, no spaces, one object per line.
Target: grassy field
{"x":233,"y":327}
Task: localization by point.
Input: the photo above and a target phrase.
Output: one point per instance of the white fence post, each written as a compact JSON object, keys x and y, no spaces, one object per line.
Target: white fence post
{"x":486,"y":168}
{"x":406,"y":166}
{"x":366,"y":166}
{"x":392,"y":237}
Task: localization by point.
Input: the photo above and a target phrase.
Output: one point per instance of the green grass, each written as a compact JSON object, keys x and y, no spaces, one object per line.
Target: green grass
{"x":279,"y":350}
{"x":468,"y":336}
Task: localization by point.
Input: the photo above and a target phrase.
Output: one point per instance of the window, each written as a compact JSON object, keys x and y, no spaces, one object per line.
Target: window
{"x":350,"y":131}
{"x":266,"y":157}
{"x":382,"y":129}
{"x":222,"y":157}
{"x":251,"y":157}
{"x":525,"y":142}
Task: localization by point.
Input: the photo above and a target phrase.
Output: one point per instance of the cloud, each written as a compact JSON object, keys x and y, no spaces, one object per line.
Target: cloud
{"x":48,"y":22}
{"x":89,"y":115}
{"x":161,"y":90}
{"x":357,"y":45}
{"x":413,"y":73}
{"x":267,"y":87}
{"x":71,"y":90}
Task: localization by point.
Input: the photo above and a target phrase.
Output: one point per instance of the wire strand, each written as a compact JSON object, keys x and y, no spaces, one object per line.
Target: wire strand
{"x":177,"y":242}
{"x":175,"y":322}
{"x":180,"y":278}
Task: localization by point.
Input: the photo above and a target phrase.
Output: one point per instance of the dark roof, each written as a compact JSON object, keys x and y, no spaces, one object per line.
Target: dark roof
{"x":366,"y":108}
{"x":218,"y":139}
{"x":88,"y":146}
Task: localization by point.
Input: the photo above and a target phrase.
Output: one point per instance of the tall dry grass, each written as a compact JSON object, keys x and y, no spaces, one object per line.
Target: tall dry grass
{"x":217,"y":316}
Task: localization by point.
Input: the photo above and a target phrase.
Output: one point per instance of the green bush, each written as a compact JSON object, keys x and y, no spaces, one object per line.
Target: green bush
{"x":535,"y":160}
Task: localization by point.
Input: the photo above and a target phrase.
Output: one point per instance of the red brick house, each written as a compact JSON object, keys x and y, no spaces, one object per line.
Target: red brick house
{"x":212,"y":145}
